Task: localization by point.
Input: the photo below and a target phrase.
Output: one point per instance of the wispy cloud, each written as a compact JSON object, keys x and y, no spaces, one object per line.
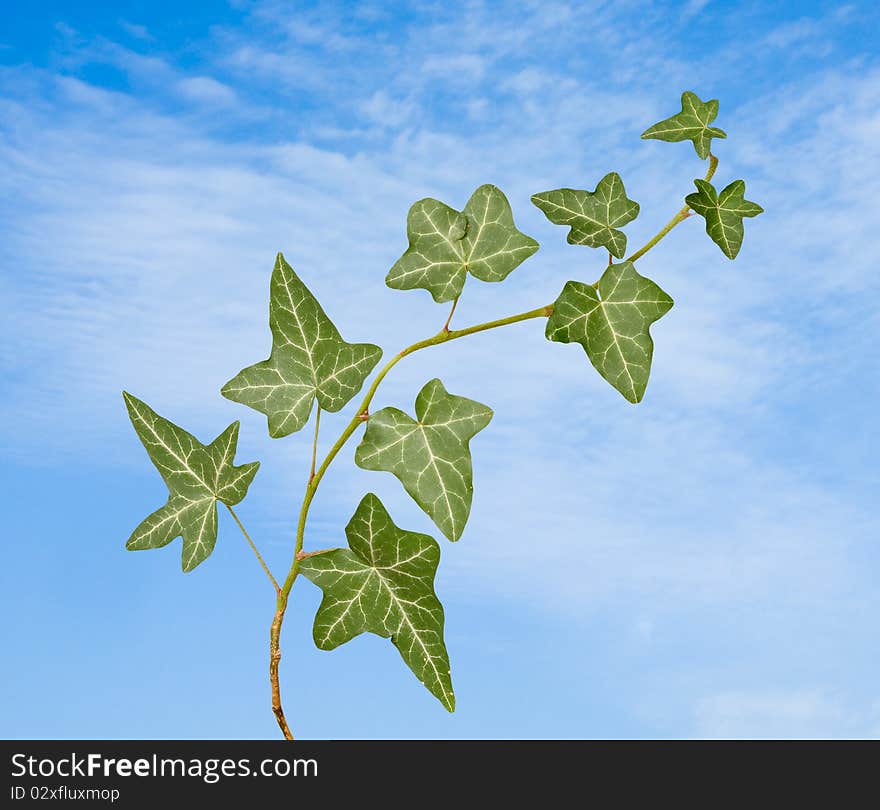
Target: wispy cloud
{"x":815,"y":35}
{"x":386,"y":112}
{"x":800,"y":714}
{"x":155,"y":73}
{"x":135,"y":30}
{"x":692,"y":8}
{"x":204,"y":89}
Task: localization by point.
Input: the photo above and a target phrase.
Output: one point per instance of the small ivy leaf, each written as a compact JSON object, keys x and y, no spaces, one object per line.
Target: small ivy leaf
{"x":493,"y":245}
{"x":612,"y":325}
{"x":309,"y":360}
{"x":434,"y":259}
{"x":431,"y":456}
{"x":197,"y":476}
{"x":723,"y":212}
{"x":445,"y":245}
{"x":384,"y":584}
{"x":593,"y":216}
{"x":691,"y":124}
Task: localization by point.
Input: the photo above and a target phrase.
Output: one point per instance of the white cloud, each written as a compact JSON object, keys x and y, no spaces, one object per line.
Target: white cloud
{"x":692,"y":8}
{"x":135,"y":30}
{"x":156,"y":73}
{"x":532,"y":80}
{"x":799,"y":714}
{"x":459,"y":68}
{"x":205,"y":90}
{"x":810,"y":36}
{"x":381,"y":109}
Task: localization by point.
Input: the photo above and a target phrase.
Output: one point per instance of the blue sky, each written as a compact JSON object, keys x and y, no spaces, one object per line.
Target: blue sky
{"x":702,"y":564}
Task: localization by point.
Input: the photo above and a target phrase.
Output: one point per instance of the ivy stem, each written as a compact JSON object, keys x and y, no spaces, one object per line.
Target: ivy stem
{"x":254,"y":548}
{"x":681,"y":216}
{"x":361,"y":416}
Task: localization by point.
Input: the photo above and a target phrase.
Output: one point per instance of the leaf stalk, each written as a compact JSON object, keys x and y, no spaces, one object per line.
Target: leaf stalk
{"x":254,"y":548}
{"x":315,"y":442}
{"x":451,"y":313}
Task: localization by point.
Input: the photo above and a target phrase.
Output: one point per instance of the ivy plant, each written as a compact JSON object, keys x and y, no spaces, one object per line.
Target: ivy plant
{"x":381,"y":580}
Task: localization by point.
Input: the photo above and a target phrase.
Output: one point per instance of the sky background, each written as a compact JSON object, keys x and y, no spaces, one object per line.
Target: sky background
{"x":704,"y":564}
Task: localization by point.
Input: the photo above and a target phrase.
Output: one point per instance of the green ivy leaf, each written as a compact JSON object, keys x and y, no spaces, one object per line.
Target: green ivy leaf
{"x":309,"y":360}
{"x":723,"y":213}
{"x":197,"y":476}
{"x":611,"y":323}
{"x":445,"y":245}
{"x":384,"y":584}
{"x":691,"y":124}
{"x":430,"y":456}
{"x":593,"y":216}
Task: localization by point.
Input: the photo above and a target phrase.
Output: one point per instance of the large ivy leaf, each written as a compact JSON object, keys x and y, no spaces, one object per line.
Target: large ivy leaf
{"x":611,"y":323}
{"x":723,"y":212}
{"x":691,"y":124}
{"x":384,"y":584}
{"x":197,"y":476}
{"x":309,"y":360}
{"x":445,"y":245}
{"x":429,"y":454}
{"x":593,"y":216}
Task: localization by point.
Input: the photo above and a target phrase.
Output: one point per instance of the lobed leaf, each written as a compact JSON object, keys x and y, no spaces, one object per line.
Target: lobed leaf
{"x":612,"y":324}
{"x":383,"y":583}
{"x":593,"y":216}
{"x":197,"y":476}
{"x":309,"y":360}
{"x":445,"y":245}
{"x":723,"y":213}
{"x":430,"y":454}
{"x":691,"y":124}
